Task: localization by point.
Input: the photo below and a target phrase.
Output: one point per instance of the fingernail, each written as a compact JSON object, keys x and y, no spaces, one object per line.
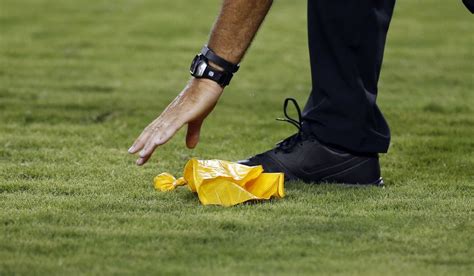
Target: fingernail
{"x":130,"y":150}
{"x":142,"y":153}
{"x":139,"y":162}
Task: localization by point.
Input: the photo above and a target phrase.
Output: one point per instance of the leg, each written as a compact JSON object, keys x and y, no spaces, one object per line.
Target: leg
{"x":346,"y":44}
{"x":342,"y":129}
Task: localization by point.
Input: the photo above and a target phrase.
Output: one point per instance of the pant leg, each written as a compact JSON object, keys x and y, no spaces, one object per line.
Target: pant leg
{"x":346,"y":44}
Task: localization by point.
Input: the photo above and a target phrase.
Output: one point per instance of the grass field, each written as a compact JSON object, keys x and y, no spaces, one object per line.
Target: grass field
{"x":80,"y":79}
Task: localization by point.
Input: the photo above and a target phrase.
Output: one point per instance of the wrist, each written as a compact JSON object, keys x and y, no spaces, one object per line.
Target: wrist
{"x":215,"y":65}
{"x":206,"y":84}
{"x":208,"y":65}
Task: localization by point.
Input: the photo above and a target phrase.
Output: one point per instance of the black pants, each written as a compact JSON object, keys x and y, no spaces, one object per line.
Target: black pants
{"x":346,"y":44}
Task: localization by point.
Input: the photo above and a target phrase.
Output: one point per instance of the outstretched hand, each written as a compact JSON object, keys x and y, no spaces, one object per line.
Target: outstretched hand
{"x":190,"y":107}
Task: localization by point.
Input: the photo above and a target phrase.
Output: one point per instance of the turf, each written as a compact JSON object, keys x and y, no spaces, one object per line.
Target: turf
{"x":80,"y":79}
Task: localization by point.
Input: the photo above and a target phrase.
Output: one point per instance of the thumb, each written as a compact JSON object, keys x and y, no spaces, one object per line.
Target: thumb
{"x":192,"y":136}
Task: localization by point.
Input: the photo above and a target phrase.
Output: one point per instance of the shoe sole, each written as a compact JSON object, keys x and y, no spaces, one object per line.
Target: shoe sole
{"x":361,"y":174}
{"x":378,"y":183}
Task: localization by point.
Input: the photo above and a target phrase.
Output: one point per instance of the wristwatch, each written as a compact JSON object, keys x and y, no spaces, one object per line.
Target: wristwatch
{"x":200,"y":67}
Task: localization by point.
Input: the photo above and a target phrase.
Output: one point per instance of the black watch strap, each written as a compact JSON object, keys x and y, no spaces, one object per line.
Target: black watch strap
{"x":211,"y":56}
{"x":221,"y":77}
{"x":200,"y":68}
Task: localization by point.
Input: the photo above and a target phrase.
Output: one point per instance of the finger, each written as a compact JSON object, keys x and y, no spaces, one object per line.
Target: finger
{"x":150,"y":146}
{"x":192,"y":136}
{"x":147,"y":151}
{"x":140,"y":161}
{"x":144,"y":156}
{"x":140,"y":141}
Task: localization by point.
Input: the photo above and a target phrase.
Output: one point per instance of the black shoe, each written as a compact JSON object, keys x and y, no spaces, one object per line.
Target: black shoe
{"x":303,"y":157}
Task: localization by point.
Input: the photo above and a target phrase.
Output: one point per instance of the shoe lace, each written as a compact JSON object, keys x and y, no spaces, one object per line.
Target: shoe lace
{"x":287,"y":144}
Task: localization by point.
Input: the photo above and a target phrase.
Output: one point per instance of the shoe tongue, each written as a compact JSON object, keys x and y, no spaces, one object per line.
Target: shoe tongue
{"x":303,"y":134}
{"x":306,"y":128}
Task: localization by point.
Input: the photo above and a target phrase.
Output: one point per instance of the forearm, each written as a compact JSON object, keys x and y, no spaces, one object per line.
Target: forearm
{"x":236,"y":26}
{"x":231,"y":35}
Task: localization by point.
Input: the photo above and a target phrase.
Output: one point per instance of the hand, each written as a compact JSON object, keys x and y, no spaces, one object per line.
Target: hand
{"x":190,"y":107}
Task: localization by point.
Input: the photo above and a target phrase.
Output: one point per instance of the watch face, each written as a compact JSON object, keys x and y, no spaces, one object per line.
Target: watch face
{"x":192,"y":69}
{"x":201,"y":67}
{"x":198,"y":66}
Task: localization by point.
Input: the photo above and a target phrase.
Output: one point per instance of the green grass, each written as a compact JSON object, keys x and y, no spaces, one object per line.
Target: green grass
{"x":80,"y":79}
